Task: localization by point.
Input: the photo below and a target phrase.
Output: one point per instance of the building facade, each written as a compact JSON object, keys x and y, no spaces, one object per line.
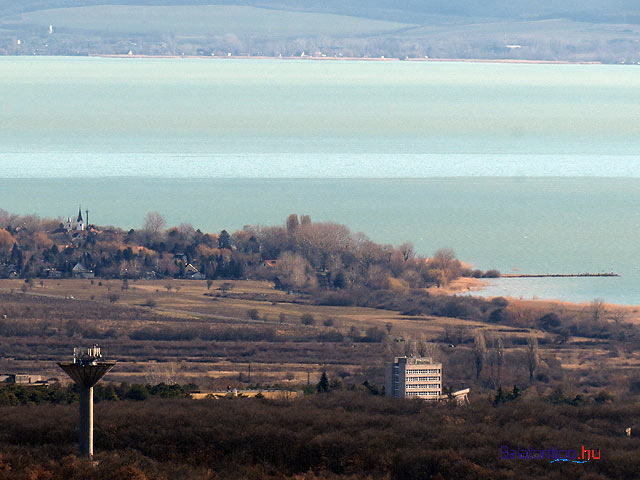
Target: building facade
{"x":413,"y":377}
{"x":78,"y":225}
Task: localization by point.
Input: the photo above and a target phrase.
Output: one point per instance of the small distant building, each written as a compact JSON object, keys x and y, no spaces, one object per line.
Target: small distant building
{"x":193,"y":273}
{"x":51,"y":273}
{"x":461,"y":397}
{"x":80,"y":271}
{"x":149,"y":275}
{"x":8,"y":270}
{"x":77,"y":225}
{"x":270,"y":263}
{"x":25,"y":379}
{"x":413,"y":377}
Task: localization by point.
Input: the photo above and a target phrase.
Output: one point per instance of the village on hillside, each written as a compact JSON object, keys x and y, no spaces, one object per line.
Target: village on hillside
{"x":298,"y":256}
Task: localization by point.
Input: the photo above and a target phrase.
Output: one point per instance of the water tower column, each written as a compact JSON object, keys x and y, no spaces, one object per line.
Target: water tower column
{"x":86,"y":370}
{"x":86,"y":421}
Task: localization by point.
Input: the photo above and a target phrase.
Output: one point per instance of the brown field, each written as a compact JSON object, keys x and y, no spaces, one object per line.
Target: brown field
{"x":68,"y":313}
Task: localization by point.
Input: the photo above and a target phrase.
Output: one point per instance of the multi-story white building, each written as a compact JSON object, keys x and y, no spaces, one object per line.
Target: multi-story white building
{"x":413,"y":377}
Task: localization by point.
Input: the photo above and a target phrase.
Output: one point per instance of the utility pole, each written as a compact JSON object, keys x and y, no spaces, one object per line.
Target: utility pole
{"x":87,"y":211}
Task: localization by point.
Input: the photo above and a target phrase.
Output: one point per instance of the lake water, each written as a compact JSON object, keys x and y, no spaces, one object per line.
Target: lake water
{"x":529,"y":168}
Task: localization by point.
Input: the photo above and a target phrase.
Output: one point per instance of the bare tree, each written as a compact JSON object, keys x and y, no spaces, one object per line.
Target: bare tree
{"x":187,"y":232}
{"x":496,"y":360}
{"x":499,"y":359}
{"x":292,"y":223}
{"x":445,"y":265}
{"x":305,"y":220}
{"x":154,"y":223}
{"x":407,"y":251}
{"x":169,"y":375}
{"x":597,"y":310}
{"x":410,"y":348}
{"x":295,"y":272}
{"x":427,"y":349}
{"x":532,"y":355}
{"x":619,"y":316}
{"x":6,"y":241}
{"x":377,"y":277}
{"x":479,"y":352}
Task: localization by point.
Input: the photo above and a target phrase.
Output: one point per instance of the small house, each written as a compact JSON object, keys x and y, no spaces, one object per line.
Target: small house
{"x":80,"y":271}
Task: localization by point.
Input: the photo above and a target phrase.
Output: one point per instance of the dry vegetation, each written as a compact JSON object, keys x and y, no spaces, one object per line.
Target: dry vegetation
{"x":51,"y":317}
{"x":348,"y":435}
{"x":215,"y":335}
{"x":344,"y":306}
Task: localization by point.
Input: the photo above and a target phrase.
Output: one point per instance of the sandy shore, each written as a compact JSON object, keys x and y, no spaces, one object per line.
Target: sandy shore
{"x":627,"y":313}
{"x":459,"y":285}
{"x":359,"y":59}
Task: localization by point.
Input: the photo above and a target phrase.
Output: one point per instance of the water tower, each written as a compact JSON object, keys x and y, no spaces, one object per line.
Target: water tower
{"x":86,"y":370}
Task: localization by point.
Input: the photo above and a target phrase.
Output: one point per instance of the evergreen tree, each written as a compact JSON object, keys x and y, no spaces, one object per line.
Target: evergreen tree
{"x":16,"y":257}
{"x":515,"y":393}
{"x":323,"y":384}
{"x":224,"y":240}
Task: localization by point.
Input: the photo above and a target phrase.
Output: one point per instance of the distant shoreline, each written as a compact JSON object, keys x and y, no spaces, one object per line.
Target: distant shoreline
{"x":349,"y":59}
{"x":557,"y":275}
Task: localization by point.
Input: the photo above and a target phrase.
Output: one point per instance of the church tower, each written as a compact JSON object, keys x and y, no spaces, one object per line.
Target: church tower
{"x":79,"y":222}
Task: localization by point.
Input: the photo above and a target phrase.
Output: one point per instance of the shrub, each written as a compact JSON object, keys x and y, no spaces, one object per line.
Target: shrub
{"x":499,"y":302}
{"x":549,"y":321}
{"x":374,"y":335}
{"x":307,"y":319}
{"x":333,"y":336}
{"x":151,"y":303}
{"x":113,"y":297}
{"x":335,"y":299}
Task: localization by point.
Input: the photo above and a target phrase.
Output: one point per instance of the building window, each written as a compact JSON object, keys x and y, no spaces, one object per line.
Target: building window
{"x":424,"y":370}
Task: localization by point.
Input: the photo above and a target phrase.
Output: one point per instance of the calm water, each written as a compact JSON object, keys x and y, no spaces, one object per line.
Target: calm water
{"x":531,"y":168}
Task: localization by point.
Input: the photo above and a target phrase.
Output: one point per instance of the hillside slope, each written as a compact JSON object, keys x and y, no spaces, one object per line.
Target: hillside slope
{"x":591,"y":30}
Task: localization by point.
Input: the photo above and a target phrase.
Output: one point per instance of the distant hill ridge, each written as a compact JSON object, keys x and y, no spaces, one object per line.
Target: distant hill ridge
{"x":412,"y":11}
{"x":572,"y":30}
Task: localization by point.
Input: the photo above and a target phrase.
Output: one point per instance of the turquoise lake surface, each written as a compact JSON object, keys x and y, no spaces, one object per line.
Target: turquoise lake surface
{"x":524,"y":168}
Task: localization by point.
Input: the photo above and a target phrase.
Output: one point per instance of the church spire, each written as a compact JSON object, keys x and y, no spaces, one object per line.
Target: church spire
{"x":80,"y":213}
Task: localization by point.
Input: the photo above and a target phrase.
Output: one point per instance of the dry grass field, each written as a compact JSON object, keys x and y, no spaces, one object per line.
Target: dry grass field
{"x":247,"y":332}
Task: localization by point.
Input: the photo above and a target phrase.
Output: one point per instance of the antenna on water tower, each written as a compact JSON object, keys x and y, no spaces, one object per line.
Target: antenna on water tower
{"x":86,"y":370}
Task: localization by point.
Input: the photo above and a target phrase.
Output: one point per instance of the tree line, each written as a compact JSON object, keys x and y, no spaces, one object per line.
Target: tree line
{"x":340,"y":434}
{"x":301,"y":255}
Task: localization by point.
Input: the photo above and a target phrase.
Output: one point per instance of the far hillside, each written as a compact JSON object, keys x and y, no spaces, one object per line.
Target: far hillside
{"x":592,"y":30}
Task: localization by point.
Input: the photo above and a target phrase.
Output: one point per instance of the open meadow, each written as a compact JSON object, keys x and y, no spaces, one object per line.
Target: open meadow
{"x":244,"y":333}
